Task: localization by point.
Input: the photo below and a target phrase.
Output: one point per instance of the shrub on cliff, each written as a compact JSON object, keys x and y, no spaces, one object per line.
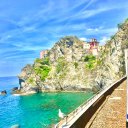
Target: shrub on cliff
{"x":119,"y":25}
{"x":44,"y":61}
{"x":42,"y":71}
{"x":88,"y":58}
{"x":30,"y":80}
{"x":90,"y":61}
{"x":60,"y":64}
{"x":75,"y":64}
{"x":38,"y":60}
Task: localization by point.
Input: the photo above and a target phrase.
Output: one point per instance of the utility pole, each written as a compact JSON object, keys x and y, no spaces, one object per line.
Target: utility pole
{"x":126,"y":67}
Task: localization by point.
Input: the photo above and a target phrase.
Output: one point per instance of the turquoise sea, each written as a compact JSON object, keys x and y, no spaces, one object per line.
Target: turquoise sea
{"x":37,"y":110}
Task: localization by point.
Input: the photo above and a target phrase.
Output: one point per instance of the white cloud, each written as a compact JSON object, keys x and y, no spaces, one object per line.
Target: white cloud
{"x":83,"y":38}
{"x":90,"y":12}
{"x":98,"y":31}
{"x":90,"y":2}
{"x":34,"y":48}
{"x":93,"y":29}
{"x":103,"y":40}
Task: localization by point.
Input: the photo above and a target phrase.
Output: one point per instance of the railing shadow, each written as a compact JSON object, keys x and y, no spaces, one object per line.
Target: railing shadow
{"x":71,"y":115}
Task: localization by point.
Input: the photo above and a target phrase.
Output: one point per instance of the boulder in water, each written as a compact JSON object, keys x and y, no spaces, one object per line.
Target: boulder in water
{"x":4,"y":92}
{"x":15,"y":126}
{"x":15,"y":88}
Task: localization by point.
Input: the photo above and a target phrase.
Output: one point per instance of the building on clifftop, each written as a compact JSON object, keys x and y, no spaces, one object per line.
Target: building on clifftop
{"x":43,"y":54}
{"x":94,"y":46}
{"x":86,"y":45}
{"x":91,"y":47}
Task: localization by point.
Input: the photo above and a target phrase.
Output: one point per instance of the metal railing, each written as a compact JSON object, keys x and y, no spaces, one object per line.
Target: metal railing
{"x":95,"y":97}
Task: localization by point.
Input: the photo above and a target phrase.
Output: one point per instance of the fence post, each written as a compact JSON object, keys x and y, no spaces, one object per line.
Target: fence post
{"x":126,"y":68}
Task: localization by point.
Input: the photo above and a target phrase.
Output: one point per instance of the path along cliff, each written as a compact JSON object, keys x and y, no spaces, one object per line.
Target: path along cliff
{"x":112,"y":113}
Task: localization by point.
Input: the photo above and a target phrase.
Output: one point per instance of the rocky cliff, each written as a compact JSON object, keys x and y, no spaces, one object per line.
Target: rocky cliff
{"x":112,"y":57}
{"x":68,"y":66}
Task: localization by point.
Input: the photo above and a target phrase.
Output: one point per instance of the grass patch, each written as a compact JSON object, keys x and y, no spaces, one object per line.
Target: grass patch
{"x":30,"y":80}
{"x":76,"y":65}
{"x":42,"y":71}
{"x":90,"y":62}
{"x":60,"y":64}
{"x":44,"y":61}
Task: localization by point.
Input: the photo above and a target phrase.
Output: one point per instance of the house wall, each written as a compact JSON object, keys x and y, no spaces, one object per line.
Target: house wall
{"x":43,"y":54}
{"x":86,"y":46}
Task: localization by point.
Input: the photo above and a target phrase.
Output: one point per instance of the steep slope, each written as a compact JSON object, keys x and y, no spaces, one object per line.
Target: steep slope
{"x":112,"y":57}
{"x":70,"y":67}
{"x":63,"y":68}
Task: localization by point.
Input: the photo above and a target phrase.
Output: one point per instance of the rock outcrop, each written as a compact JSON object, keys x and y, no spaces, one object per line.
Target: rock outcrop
{"x":4,"y":92}
{"x":68,"y":66}
{"x":112,"y":57}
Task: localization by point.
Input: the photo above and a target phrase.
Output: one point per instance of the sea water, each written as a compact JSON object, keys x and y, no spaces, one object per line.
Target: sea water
{"x":37,"y":110}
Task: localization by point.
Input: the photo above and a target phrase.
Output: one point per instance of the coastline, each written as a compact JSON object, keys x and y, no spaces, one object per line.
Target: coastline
{"x":37,"y":106}
{"x":49,"y":91}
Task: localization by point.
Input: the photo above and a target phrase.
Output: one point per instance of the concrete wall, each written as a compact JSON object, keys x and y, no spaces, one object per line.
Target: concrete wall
{"x":84,"y":119}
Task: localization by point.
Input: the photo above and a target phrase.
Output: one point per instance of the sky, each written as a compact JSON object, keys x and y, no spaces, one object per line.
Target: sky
{"x":29,"y":26}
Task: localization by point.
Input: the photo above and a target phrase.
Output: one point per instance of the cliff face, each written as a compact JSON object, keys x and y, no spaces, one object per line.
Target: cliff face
{"x":70,"y":48}
{"x":112,"y":57}
{"x":70,"y":67}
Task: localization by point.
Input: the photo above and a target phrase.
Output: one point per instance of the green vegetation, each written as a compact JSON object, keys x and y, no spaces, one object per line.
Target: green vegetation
{"x":42,"y":71}
{"x":103,"y":54}
{"x":90,"y":62}
{"x":125,"y":44}
{"x":44,"y":68}
{"x":75,"y":64}
{"x":38,"y":60}
{"x":112,"y":37}
{"x":44,"y":61}
{"x":60,"y":64}
{"x":119,"y":25}
{"x":122,"y":67}
{"x":30,"y":80}
{"x":99,"y":61}
{"x":62,"y":75}
{"x":112,"y":51}
{"x":126,"y":20}
{"x":89,"y":58}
